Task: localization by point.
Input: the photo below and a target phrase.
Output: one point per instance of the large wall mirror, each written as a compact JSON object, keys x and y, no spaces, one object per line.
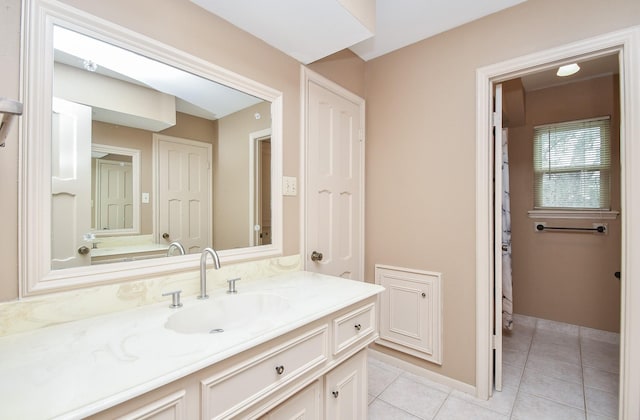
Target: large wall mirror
{"x":131,"y":146}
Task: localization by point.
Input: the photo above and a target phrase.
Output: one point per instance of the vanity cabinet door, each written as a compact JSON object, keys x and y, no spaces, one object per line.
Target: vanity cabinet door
{"x":158,"y":406}
{"x":346,"y":389}
{"x":305,"y":405}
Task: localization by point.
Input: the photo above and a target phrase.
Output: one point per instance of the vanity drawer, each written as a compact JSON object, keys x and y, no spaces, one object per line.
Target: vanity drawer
{"x":234,"y":389}
{"x":351,"y":327}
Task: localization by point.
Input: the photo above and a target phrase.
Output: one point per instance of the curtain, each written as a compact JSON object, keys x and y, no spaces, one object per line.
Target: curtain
{"x":507,"y":287}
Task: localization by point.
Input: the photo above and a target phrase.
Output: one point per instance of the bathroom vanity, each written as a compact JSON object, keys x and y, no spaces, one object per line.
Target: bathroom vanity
{"x":290,"y":344}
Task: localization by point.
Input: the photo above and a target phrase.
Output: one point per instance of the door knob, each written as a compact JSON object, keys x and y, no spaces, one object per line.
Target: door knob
{"x":83,"y":250}
{"x":165,"y":235}
{"x":316,"y":256}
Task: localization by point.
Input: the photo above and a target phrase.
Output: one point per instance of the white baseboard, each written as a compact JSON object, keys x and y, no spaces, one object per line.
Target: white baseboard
{"x":417,"y":370}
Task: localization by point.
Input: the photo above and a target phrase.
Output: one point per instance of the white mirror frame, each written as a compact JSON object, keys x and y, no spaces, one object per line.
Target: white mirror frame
{"x":36,"y":275}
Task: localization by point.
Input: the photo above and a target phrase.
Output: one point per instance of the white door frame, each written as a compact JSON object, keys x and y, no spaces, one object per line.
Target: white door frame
{"x":627,"y":44}
{"x":307,"y":76}
{"x":254,"y":138}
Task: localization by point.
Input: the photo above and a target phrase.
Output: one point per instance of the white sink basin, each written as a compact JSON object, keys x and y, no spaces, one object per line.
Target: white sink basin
{"x":227,"y":313}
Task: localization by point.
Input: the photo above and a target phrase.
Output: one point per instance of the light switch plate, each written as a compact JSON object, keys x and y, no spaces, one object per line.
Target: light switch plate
{"x":289,"y":185}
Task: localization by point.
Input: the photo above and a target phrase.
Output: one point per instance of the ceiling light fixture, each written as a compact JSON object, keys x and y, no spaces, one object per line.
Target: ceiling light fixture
{"x":568,"y":70}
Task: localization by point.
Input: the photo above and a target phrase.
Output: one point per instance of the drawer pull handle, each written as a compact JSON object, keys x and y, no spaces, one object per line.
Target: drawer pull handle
{"x":279,"y":369}
{"x":335,"y":394}
{"x":358,"y":327}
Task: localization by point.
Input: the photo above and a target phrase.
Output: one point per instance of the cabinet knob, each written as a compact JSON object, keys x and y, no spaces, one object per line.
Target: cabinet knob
{"x":316,"y":256}
{"x":424,"y":294}
{"x":83,"y":250}
{"x":358,"y":327}
{"x":335,"y":394}
{"x":279,"y":369}
{"x":165,"y":235}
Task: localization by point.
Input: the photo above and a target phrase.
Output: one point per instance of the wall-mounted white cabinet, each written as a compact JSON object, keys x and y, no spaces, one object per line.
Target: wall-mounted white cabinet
{"x":410,"y":312}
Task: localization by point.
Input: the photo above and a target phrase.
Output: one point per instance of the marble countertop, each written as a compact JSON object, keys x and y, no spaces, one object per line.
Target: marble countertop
{"x":127,"y":249}
{"x":79,"y":368}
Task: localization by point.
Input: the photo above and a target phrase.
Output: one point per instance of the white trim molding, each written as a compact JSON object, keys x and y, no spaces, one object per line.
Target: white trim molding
{"x":425,"y":373}
{"x":626,"y":44}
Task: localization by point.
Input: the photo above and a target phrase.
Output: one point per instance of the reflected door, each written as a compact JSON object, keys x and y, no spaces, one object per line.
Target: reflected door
{"x":334,"y":183}
{"x":70,"y":184}
{"x":263,"y":192}
{"x":183,"y":185}
{"x":115,"y":192}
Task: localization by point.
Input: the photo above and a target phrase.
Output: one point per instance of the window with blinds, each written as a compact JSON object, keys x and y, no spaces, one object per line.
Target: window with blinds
{"x":572,"y":165}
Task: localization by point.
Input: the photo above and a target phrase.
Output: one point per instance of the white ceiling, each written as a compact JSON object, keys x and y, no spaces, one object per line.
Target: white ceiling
{"x":309,"y":30}
{"x":403,"y":22}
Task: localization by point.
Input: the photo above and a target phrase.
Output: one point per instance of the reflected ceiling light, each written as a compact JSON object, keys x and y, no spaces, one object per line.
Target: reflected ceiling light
{"x":89,"y":65}
{"x":568,"y":70}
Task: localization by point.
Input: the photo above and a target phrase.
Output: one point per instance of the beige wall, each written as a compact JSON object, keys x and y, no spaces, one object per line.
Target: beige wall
{"x":183,"y":25}
{"x":231,"y":175}
{"x":10,"y":88}
{"x":565,"y":277}
{"x":345,"y":68}
{"x":420,"y":193}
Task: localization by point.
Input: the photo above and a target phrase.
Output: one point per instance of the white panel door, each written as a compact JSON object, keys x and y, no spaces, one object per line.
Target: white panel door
{"x":183,"y":174}
{"x":115,"y":192}
{"x":70,"y":184}
{"x":334,"y":193}
{"x":497,"y":238}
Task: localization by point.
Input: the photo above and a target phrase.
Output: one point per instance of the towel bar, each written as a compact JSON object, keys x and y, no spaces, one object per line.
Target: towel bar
{"x":599,"y":229}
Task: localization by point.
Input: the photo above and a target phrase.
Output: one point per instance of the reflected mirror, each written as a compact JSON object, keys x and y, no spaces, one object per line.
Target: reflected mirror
{"x":144,"y":154}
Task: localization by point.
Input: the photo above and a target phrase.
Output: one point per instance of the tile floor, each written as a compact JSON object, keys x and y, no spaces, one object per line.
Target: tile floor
{"x":551,"y":371}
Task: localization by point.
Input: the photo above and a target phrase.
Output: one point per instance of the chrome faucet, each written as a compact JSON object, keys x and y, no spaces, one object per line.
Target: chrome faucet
{"x":203,"y":270}
{"x":175,"y":244}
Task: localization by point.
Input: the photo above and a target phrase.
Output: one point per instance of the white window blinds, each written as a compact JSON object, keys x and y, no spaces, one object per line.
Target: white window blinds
{"x":572,"y":164}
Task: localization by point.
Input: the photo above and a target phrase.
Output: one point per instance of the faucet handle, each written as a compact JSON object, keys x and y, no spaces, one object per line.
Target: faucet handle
{"x":175,"y":297}
{"x":232,"y":285}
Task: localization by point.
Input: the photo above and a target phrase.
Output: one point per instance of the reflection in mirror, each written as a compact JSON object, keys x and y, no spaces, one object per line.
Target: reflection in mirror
{"x":145,"y":154}
{"x":115,"y":195}
{"x":112,"y":193}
